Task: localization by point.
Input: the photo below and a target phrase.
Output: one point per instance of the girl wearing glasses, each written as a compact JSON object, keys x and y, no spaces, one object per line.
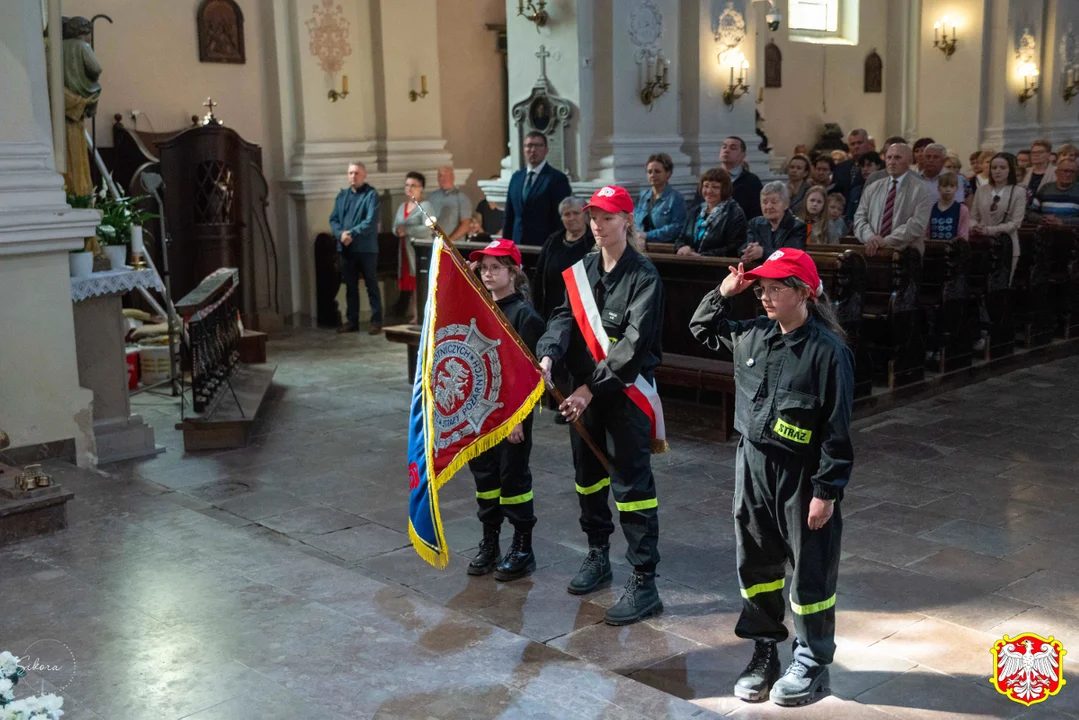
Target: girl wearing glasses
{"x":795,"y":385}
{"x":503,"y":478}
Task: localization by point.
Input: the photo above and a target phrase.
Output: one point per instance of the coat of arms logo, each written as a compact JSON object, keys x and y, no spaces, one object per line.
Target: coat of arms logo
{"x":466,"y":379}
{"x":1028,"y":668}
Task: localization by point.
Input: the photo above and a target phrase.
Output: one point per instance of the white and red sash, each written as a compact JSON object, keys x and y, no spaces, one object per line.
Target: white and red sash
{"x":641,"y":392}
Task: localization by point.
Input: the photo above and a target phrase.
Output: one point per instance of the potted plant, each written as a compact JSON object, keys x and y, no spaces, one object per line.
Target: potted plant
{"x":118,"y":217}
{"x":81,"y":262}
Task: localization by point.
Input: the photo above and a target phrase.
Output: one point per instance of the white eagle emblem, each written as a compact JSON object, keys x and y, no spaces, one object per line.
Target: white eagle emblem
{"x":776,"y":255}
{"x":606,"y":192}
{"x":1028,"y":668}
{"x":466,"y":378}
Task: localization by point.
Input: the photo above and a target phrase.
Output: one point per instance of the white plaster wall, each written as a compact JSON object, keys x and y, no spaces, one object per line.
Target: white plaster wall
{"x":949,"y":91}
{"x":40,"y":397}
{"x":821,"y":83}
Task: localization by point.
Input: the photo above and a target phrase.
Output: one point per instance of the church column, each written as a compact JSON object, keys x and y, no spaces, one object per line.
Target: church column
{"x":1015,"y":36}
{"x":39,"y":382}
{"x":1060,"y":119}
{"x":714,"y":45}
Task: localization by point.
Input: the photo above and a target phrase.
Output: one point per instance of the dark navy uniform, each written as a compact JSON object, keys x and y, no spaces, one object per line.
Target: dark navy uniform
{"x":503,"y":478}
{"x":793,"y":410}
{"x":630,"y":303}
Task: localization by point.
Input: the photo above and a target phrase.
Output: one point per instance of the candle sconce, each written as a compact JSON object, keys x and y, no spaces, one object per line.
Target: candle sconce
{"x":413,"y":95}
{"x":1029,"y":71}
{"x":537,"y":12}
{"x":334,"y":96}
{"x":941,"y":41}
{"x":655,"y":79}
{"x":736,"y":88}
{"x":1071,"y":84}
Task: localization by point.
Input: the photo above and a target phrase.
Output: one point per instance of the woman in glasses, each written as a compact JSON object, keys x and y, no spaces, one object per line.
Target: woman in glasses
{"x":795,"y":385}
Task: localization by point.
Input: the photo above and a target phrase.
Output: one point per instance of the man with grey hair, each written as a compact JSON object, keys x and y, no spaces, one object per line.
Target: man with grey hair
{"x":894,"y":212}
{"x":452,"y":207}
{"x":848,"y":174}
{"x":776,"y":227}
{"x":354,"y":223}
{"x":933,"y":158}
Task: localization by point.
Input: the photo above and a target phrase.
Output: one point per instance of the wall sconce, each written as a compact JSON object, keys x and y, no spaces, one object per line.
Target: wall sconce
{"x":537,"y":12}
{"x":413,"y":95}
{"x":1071,"y":84}
{"x":654,"y":82}
{"x":941,"y":41}
{"x":1029,"y":73}
{"x":736,"y":89}
{"x":334,"y":96}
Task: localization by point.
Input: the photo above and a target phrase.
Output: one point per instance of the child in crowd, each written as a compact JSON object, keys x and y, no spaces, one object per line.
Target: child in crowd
{"x":503,"y":478}
{"x":837,"y":224}
{"x":815,"y":215}
{"x":948,"y":220}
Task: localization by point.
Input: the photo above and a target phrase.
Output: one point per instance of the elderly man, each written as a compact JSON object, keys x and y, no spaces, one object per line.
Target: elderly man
{"x":894,"y":212}
{"x":1057,"y":202}
{"x":933,"y":158}
{"x":775,"y":228}
{"x":452,"y":207}
{"x":847,"y":174}
{"x":747,"y":186}
{"x":354,"y":223}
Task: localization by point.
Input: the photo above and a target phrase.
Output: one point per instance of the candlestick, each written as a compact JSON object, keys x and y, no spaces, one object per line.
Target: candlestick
{"x":423,"y":84}
{"x":136,"y":239}
{"x":732,"y":75}
{"x":936,"y":32}
{"x":344,"y":84}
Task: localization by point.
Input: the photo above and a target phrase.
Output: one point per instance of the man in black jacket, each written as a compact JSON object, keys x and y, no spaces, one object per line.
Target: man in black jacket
{"x":747,"y":186}
{"x":848,"y":174}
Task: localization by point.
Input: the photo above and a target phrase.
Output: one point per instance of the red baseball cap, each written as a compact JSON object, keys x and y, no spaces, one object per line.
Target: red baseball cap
{"x":496,"y":248}
{"x":611,"y":199}
{"x":788,"y":262}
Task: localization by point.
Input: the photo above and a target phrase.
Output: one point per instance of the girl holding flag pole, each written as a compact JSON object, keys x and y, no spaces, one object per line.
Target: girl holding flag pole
{"x":608,"y":332}
{"x":503,"y":478}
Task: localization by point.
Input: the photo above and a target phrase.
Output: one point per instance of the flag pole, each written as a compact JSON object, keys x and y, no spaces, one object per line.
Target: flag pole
{"x":504,"y":322}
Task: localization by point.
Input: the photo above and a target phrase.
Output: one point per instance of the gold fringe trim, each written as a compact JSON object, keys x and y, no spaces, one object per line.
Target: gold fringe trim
{"x":659,"y":446}
{"x":439,"y":559}
{"x":488,"y":441}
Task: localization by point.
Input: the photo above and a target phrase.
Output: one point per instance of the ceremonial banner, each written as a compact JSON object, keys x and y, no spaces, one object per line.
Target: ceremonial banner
{"x":474,"y":383}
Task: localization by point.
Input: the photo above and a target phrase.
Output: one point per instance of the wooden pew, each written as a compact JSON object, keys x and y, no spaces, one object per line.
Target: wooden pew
{"x":891,"y":319}
{"x":989,"y":289}
{"x":1035,"y":321}
{"x":944,"y":300}
{"x":842,"y":273}
{"x":1064,"y":278}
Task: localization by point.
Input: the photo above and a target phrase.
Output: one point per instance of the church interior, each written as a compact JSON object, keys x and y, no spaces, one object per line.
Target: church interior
{"x":205,"y":425}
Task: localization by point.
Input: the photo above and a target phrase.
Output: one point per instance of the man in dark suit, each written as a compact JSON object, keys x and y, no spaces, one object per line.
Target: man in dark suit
{"x":747,"y":186}
{"x":534,"y":194}
{"x":848,"y":174}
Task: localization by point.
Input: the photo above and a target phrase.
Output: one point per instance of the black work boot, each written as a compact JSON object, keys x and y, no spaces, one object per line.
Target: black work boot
{"x":639,"y":600}
{"x":595,"y":571}
{"x":489,"y":554}
{"x":520,"y":560}
{"x":761,"y":673}
{"x":799,"y":684}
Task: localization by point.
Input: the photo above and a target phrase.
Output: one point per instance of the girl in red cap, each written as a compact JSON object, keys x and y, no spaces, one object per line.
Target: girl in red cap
{"x":503,"y":478}
{"x":795,"y":386}
{"x":608,"y":332}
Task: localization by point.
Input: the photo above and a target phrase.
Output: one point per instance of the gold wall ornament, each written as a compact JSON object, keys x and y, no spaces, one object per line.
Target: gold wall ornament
{"x":736,"y":88}
{"x":414,"y":96}
{"x":941,"y":41}
{"x":334,"y":95}
{"x":536,"y":12}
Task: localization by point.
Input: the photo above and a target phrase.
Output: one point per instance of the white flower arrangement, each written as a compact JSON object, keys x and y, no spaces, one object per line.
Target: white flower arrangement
{"x":44,"y":707}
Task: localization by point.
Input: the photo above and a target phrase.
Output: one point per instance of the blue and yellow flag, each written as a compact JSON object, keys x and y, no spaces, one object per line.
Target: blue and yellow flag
{"x":475,"y":381}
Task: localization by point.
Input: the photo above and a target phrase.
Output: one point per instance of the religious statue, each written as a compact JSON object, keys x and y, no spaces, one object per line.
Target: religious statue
{"x":81,"y":93}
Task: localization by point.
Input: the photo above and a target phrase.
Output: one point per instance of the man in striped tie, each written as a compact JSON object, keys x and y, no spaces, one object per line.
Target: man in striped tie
{"x":895,"y":211}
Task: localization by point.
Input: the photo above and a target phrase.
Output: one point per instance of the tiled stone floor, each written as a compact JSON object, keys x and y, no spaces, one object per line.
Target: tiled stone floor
{"x":277,"y":581}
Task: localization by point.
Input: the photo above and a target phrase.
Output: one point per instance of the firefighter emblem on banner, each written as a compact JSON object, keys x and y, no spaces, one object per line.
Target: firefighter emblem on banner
{"x":467,"y":380}
{"x":1028,"y":668}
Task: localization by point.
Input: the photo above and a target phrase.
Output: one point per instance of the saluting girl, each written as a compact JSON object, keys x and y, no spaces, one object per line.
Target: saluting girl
{"x":795,"y":386}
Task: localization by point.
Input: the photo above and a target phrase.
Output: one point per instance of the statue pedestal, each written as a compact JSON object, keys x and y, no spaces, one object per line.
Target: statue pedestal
{"x":99,"y":344}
